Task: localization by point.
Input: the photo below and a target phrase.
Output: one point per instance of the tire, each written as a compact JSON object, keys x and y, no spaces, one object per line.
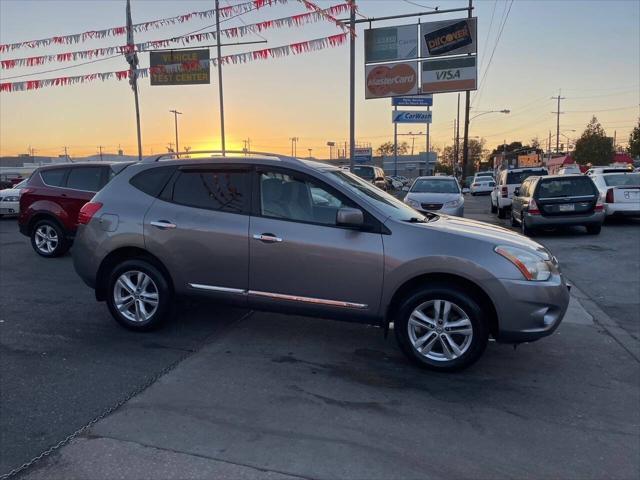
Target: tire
{"x":502,"y":212}
{"x":494,"y":209}
{"x":526,"y":231}
{"x":48,"y":239}
{"x":593,"y":229}
{"x":409,"y":332}
{"x":151,"y":300}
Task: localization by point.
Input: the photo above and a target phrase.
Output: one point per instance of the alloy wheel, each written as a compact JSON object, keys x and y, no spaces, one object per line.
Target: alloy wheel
{"x":136,"y":296}
{"x":46,"y":238}
{"x":440,"y":330}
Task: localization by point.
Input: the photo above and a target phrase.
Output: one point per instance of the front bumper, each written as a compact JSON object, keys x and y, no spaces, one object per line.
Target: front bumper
{"x":9,"y":208}
{"x":453,"y":211}
{"x":535,"y":221}
{"x":529,"y":310}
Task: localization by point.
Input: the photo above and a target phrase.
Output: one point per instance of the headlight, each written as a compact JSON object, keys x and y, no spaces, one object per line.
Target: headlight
{"x":412,"y":203}
{"x":454,"y":203}
{"x":532,"y":265}
{"x":10,"y":199}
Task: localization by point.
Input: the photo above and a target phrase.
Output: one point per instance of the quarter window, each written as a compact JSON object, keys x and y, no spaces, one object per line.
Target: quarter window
{"x":54,"y":177}
{"x":290,"y":198}
{"x":89,"y":179}
{"x":222,"y":190}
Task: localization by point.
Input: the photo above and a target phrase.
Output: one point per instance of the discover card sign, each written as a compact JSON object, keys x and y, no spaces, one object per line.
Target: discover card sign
{"x":449,"y":37}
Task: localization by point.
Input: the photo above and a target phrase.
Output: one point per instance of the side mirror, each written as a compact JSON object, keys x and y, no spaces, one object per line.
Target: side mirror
{"x":516,"y":192}
{"x":349,"y":217}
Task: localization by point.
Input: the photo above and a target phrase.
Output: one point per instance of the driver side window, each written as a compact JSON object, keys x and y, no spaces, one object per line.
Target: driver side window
{"x":298,"y":199}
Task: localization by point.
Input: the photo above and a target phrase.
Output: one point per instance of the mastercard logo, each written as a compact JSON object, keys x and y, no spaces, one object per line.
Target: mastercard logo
{"x":399,"y":79}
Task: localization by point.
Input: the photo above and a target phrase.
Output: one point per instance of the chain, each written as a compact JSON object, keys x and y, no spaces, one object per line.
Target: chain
{"x":113,"y":408}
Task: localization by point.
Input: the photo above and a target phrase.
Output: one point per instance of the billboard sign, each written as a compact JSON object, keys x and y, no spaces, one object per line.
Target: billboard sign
{"x":362,"y":154}
{"x":390,"y":43}
{"x":417,"y":101}
{"x":195,"y":76}
{"x":449,"y":75}
{"x":390,"y":80}
{"x":448,"y":37}
{"x":410,"y":116}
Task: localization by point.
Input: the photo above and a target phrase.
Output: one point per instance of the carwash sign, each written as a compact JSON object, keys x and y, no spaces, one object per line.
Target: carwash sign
{"x":404,"y":116}
{"x":391,"y":80}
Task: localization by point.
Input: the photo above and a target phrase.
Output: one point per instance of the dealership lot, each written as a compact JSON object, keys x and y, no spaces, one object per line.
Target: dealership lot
{"x":265,"y":395}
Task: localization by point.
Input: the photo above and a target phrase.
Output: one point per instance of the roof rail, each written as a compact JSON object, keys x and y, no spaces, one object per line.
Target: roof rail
{"x":219,"y":153}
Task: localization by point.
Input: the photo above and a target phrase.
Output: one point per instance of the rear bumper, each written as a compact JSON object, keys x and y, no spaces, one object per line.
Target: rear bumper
{"x":622,"y":209}
{"x":531,"y":310}
{"x":504,"y":202}
{"x":535,"y":221}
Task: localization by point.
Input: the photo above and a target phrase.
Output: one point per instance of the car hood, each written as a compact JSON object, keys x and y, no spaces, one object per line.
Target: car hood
{"x":482,"y":231}
{"x":429,"y":197}
{"x":9,"y":192}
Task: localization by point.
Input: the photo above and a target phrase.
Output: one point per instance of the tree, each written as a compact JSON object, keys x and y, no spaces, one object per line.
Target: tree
{"x":443,"y":168}
{"x":594,"y":147}
{"x":535,"y":143}
{"x":386,"y":149}
{"x":634,"y":141}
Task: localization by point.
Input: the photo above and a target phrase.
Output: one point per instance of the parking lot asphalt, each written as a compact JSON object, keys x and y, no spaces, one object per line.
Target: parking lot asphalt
{"x":273,"y":396}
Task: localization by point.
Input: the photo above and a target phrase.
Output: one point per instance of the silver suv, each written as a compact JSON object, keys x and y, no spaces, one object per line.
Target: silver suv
{"x":276,"y":233}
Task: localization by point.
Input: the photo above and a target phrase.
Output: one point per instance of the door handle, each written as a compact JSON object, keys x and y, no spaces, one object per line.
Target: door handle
{"x":267,"y":237}
{"x":163,"y":224}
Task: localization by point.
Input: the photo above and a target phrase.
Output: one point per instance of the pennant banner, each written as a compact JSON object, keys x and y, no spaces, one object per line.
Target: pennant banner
{"x":234,"y":32}
{"x":225,"y":12}
{"x":275,"y":52}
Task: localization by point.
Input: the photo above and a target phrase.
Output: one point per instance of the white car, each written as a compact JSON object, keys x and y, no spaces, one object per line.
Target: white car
{"x":508,"y":180}
{"x":482,"y":183}
{"x":570,"y":170}
{"x":620,"y":192}
{"x":439,"y":194}
{"x":601,"y":170}
{"x":10,"y":200}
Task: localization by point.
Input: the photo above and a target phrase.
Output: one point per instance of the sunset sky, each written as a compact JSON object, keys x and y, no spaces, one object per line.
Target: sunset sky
{"x":589,"y":49}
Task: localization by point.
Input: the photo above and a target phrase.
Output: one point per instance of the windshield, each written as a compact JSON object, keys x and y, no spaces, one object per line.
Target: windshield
{"x":622,"y":180}
{"x":387,"y":204}
{"x":435,"y":185}
{"x":364,"y":172}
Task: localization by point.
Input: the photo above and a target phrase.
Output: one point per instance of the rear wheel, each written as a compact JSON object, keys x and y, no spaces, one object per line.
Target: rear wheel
{"x":139,"y":295}
{"x":527,"y":231}
{"x":502,"y":212}
{"x":593,"y":229}
{"x":48,"y":240}
{"x":441,"y":328}
{"x":494,"y":209}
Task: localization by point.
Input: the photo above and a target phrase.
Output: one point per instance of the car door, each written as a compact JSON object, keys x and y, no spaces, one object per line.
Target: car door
{"x":82,"y":184}
{"x":198,"y":228}
{"x":516,"y":204}
{"x":301,"y":261}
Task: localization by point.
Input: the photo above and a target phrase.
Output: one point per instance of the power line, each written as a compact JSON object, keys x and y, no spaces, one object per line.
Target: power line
{"x":421,"y":6}
{"x":604,"y":110}
{"x":486,"y":40}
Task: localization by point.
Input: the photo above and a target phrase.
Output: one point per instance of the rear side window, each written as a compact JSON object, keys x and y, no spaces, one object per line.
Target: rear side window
{"x":152,"y":181}
{"x":223,"y":190}
{"x":623,"y":179}
{"x":566,"y":187}
{"x":90,"y":179}
{"x":55,"y":177}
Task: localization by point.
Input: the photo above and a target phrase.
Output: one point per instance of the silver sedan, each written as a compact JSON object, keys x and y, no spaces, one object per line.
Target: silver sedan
{"x":436,"y":194}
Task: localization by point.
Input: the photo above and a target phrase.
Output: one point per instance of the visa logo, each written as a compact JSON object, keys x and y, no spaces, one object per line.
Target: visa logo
{"x":448,"y":74}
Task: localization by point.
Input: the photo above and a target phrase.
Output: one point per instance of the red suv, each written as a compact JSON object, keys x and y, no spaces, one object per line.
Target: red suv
{"x":52,"y":199}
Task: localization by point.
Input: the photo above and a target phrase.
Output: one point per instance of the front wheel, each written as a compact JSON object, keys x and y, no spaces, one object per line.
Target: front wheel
{"x":441,"y":328}
{"x":139,"y":295}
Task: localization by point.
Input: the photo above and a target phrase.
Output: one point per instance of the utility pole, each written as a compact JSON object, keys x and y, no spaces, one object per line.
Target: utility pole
{"x":395,"y":145}
{"x":100,"y":150}
{"x":294,"y":146}
{"x":549,"y":147}
{"x":352,"y":85}
{"x":170,"y":147}
{"x":175,"y":121}
{"x":558,"y":112}
{"x":66,"y":155}
{"x":465,"y":145}
{"x":132,"y":59}
{"x":219,"y":64}
{"x":457,"y":136}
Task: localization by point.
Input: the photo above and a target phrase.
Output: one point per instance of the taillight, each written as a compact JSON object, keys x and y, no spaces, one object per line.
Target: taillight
{"x":609,"y":197}
{"x":533,"y":208}
{"x":88,"y":211}
{"x":505,"y":192}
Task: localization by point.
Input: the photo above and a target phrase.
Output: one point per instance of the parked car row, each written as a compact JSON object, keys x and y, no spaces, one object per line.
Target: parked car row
{"x":248,"y":232}
{"x":10,"y":199}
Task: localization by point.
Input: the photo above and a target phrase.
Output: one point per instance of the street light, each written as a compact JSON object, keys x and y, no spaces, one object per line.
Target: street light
{"x":175,"y":119}
{"x":506,"y":111}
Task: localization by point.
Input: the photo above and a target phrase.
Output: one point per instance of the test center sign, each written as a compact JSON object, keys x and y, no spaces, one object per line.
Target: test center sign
{"x":195,"y":76}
